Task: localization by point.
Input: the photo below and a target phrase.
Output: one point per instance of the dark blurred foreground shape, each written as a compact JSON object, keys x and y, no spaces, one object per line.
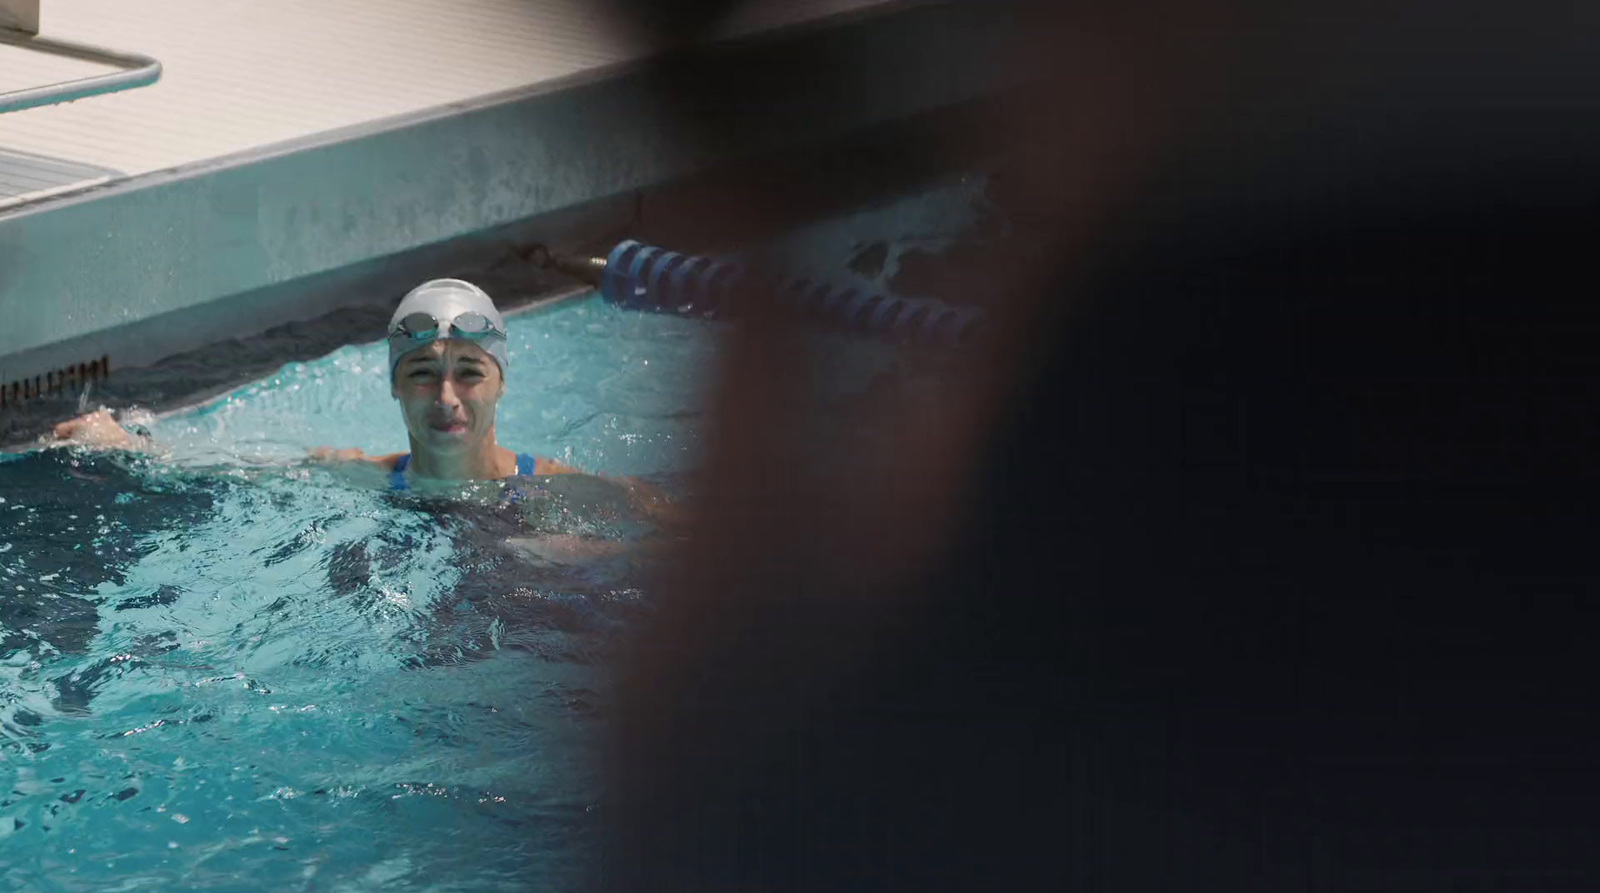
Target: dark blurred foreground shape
{"x":1255,"y":555}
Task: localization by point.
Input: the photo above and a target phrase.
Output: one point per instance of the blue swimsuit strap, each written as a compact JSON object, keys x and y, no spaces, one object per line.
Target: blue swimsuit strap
{"x":526,"y":464}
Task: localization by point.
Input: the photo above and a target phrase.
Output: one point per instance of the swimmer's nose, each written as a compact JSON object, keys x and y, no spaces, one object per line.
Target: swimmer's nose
{"x":447,"y":393}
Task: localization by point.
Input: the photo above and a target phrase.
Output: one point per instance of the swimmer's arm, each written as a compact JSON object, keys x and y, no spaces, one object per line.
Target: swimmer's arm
{"x":542,"y":465}
{"x":331,"y":455}
{"x":99,"y":429}
{"x":355,"y":465}
{"x":647,"y":497}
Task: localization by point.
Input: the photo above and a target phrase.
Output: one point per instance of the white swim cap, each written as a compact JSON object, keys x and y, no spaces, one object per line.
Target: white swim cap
{"x":447,"y":308}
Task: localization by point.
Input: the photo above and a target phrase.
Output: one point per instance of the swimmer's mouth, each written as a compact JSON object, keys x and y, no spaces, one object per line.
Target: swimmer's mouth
{"x":450,"y":427}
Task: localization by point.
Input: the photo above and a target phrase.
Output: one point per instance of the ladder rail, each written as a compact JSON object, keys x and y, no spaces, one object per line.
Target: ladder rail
{"x":138,"y":70}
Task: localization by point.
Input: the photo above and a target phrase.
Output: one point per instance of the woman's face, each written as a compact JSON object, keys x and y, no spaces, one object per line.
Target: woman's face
{"x":448,"y":391}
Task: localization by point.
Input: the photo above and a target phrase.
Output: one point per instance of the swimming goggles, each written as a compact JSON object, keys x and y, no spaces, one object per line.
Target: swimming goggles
{"x":423,"y":327}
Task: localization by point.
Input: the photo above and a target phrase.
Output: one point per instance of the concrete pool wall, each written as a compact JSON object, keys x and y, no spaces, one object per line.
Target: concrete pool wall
{"x":147,"y":265}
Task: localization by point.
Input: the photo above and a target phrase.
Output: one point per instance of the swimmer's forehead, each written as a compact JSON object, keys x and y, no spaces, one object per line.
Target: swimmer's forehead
{"x":450,"y":350}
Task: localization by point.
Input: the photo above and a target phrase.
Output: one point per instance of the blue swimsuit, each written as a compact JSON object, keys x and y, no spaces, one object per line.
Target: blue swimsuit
{"x":397,"y":478}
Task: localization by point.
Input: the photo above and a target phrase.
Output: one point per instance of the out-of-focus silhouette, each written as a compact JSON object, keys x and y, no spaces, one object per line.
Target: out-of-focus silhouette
{"x":1249,"y":552}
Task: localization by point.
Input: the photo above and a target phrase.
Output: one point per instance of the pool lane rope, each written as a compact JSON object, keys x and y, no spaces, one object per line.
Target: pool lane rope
{"x":645,"y":277}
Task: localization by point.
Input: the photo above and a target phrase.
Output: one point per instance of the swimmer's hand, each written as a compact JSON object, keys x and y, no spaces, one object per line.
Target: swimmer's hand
{"x":98,"y":429}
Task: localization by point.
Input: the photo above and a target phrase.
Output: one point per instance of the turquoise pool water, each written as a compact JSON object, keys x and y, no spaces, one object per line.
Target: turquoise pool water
{"x":608,"y":390}
{"x":224,"y":669}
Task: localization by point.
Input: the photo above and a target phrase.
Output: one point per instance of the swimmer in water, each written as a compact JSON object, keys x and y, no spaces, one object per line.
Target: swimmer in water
{"x":447,"y":368}
{"x":447,"y":363}
{"x":448,"y":356}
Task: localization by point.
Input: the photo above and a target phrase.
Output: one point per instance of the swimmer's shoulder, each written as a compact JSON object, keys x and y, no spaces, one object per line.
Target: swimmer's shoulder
{"x":392,"y":462}
{"x":529,"y":464}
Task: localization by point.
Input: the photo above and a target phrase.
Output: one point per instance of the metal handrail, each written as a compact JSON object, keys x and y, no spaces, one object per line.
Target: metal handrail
{"x":138,"y":71}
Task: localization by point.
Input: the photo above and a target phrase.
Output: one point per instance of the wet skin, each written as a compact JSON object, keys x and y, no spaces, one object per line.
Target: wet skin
{"x":448,"y":393}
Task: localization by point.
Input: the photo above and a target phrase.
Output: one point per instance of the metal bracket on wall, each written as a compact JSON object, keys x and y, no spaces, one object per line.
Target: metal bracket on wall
{"x":19,"y":25}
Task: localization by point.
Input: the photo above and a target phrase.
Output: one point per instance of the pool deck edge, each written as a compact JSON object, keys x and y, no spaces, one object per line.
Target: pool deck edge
{"x":86,"y":266}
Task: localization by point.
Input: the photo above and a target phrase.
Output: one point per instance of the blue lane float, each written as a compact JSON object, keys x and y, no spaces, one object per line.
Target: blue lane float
{"x":645,"y":277}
